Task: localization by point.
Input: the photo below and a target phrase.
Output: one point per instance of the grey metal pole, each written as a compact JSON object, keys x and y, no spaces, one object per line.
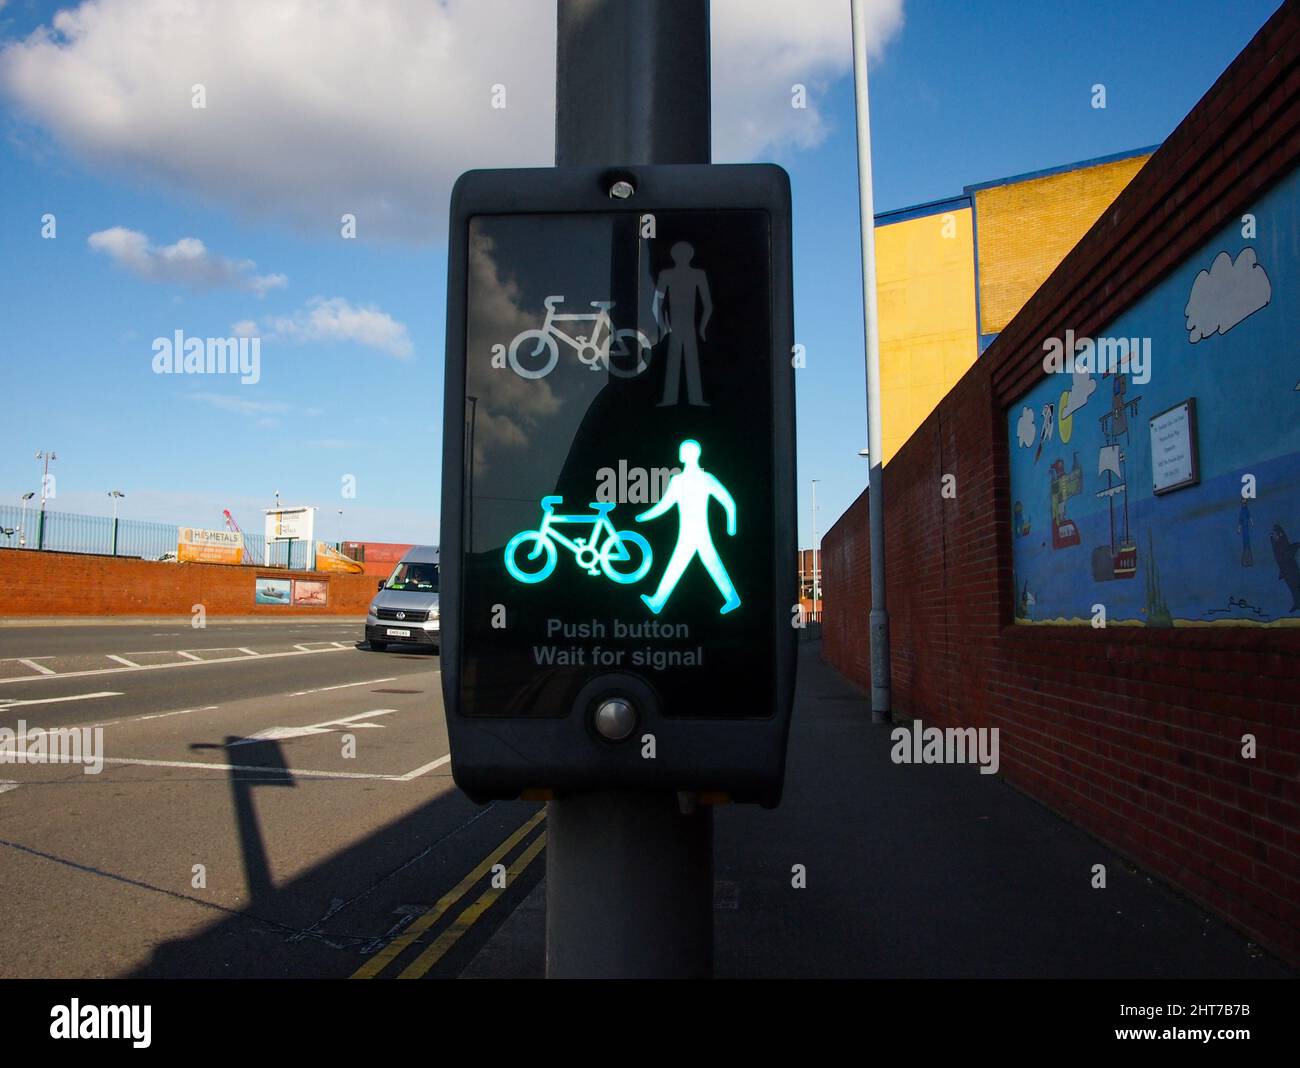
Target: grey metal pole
{"x":629,"y":876}
{"x":881,"y":698}
{"x":816,"y":573}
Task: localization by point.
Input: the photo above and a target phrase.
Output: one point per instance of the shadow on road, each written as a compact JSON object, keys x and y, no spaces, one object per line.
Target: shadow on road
{"x":257,"y":762}
{"x":328,"y":921}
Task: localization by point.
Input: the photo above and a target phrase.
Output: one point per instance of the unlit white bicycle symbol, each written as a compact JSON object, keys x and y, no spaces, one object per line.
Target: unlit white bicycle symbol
{"x":603,"y":347}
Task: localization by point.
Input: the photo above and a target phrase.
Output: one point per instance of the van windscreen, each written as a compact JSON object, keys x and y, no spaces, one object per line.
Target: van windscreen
{"x":416,"y":577}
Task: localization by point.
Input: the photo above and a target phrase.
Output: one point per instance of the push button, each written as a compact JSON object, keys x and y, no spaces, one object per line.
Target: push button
{"x":615,"y":719}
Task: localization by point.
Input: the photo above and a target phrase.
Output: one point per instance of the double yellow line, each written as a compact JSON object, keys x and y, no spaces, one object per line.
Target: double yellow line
{"x":438,"y":948}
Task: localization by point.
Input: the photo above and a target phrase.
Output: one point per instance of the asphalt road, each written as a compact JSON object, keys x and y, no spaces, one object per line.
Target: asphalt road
{"x":273,"y":799}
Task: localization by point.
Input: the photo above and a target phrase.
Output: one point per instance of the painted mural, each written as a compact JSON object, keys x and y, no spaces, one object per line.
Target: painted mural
{"x":1156,"y":471}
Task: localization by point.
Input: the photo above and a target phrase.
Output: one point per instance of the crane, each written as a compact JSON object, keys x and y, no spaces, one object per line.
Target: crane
{"x":233,"y":526}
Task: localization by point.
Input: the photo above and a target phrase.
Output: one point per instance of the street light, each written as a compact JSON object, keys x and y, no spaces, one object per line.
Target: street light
{"x":116,"y":495}
{"x":45,"y":457}
{"x":22,"y":528}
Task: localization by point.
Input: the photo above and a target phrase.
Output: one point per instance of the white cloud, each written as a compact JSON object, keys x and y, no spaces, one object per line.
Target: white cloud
{"x":312,"y":110}
{"x":1081,"y":388}
{"x":511,"y":406}
{"x":335,"y":319}
{"x":187,"y":262}
{"x":761,"y":48}
{"x":1226,"y":294}
{"x":374,"y":108}
{"x":1026,"y":431}
{"x":230,"y":403}
{"x":244,"y":328}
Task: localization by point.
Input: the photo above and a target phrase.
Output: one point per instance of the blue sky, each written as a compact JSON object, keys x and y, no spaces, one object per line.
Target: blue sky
{"x":99,"y":130}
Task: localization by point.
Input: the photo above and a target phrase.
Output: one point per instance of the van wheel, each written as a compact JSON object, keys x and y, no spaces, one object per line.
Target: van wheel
{"x":378,"y":647}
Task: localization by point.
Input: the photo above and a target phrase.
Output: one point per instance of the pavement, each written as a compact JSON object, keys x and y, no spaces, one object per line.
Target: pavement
{"x":276,"y":800}
{"x":917,"y":871}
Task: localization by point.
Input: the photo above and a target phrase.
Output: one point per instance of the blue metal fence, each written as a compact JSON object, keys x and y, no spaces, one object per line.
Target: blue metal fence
{"x":72,"y":533}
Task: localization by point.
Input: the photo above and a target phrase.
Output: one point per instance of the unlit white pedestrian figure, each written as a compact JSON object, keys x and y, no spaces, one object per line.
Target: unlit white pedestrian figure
{"x":681,"y":286}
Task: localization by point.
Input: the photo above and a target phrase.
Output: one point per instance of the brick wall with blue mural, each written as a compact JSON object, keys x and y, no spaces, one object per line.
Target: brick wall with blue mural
{"x":1155,"y":477}
{"x":1173,"y":733}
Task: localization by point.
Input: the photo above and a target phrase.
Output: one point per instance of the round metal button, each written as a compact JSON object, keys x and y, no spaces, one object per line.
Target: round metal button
{"x":615,"y":718}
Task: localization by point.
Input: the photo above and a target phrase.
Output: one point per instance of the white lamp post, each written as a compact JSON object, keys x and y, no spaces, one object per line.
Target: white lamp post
{"x":22,"y":528}
{"x":117,"y":495}
{"x":816,"y":571}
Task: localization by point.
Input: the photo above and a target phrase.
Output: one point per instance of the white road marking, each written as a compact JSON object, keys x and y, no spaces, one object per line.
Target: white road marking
{"x":424,"y":769}
{"x":38,"y":667}
{"x":173,"y":664}
{"x":346,"y":645}
{"x":6,"y":785}
{"x":122,"y":660}
{"x":250,"y":652}
{"x":178,"y":712}
{"x":5,"y":703}
{"x":189,"y":656}
{"x":342,"y":686}
{"x":276,"y":734}
{"x":277,"y":771}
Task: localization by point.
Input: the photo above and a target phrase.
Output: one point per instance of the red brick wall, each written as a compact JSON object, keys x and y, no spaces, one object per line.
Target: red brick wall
{"x":1133,"y":734}
{"x":36,"y":583}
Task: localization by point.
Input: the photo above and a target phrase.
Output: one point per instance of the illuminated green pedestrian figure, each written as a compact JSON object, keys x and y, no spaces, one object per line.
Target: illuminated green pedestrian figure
{"x":690,"y":491}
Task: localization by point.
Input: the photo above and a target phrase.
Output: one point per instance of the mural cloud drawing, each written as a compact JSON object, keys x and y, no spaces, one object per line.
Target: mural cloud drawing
{"x":1025,"y":429}
{"x":1226,"y":294}
{"x":1080,"y":390}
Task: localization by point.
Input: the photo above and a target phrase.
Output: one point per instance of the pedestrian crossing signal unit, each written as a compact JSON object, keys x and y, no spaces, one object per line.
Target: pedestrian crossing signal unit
{"x":648,"y":334}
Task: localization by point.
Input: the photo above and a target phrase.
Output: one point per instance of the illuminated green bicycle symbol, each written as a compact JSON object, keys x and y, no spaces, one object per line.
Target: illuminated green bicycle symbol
{"x":531,"y":554}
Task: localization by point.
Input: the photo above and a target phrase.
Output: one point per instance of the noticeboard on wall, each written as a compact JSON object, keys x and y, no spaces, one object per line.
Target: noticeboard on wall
{"x":1175,"y":462}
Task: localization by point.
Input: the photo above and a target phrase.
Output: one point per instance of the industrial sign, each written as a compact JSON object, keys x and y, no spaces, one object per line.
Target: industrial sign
{"x":195,"y":546}
{"x":298,"y":524}
{"x":618,"y":480}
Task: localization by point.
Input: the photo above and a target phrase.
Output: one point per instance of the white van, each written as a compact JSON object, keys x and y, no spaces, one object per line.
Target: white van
{"x":406,"y":607}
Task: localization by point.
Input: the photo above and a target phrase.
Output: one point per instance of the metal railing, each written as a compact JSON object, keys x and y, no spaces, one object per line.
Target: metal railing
{"x":70,"y":532}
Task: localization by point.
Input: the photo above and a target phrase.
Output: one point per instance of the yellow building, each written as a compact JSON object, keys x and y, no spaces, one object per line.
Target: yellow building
{"x":952,"y":273}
